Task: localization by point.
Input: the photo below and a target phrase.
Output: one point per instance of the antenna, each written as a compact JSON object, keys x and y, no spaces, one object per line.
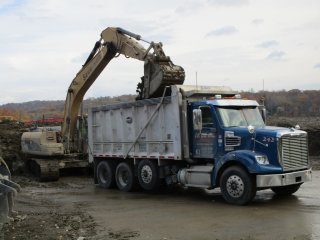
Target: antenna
{"x":263,"y":93}
{"x":196,"y":80}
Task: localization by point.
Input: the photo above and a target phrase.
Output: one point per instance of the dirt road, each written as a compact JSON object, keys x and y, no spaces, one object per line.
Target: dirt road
{"x":74,"y":208}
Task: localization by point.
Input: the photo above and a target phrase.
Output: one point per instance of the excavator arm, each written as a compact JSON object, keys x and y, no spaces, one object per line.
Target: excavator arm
{"x":159,"y":71}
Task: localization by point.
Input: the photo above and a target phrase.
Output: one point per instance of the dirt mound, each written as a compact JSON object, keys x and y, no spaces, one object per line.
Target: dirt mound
{"x":10,"y":150}
{"x":42,"y":217}
{"x":57,"y":225}
{"x":10,"y":135}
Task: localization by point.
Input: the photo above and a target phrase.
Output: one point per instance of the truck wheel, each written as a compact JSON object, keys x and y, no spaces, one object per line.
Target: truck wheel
{"x":105,"y":174}
{"x":148,"y":175}
{"x":125,"y":179}
{"x":237,"y":186}
{"x":286,"y":190}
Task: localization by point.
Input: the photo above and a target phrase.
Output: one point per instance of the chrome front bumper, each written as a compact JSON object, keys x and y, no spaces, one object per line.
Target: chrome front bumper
{"x":284,"y":179}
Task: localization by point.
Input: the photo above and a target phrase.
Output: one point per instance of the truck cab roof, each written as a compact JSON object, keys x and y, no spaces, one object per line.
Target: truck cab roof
{"x":233,"y":102}
{"x":213,"y":95}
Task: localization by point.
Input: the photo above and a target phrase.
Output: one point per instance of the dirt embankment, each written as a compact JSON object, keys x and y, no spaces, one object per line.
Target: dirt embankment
{"x":10,"y":135}
{"x":10,"y":146}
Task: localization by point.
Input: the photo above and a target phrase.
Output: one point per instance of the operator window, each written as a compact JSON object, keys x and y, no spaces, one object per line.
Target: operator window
{"x":207,"y":120}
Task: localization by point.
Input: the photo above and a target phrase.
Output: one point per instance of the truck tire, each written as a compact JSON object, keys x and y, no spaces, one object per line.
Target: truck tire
{"x":125,"y":179}
{"x":105,"y":174}
{"x":286,"y":190}
{"x":237,"y":186}
{"x":148,"y":175}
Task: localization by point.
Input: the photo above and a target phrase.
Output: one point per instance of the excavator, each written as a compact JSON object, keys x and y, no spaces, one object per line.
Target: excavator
{"x":50,"y":149}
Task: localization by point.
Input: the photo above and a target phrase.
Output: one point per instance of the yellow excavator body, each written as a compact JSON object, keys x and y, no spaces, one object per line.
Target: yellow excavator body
{"x":42,"y":143}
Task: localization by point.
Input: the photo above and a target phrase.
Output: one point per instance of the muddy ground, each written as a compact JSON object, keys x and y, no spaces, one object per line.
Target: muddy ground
{"x":73,"y":208}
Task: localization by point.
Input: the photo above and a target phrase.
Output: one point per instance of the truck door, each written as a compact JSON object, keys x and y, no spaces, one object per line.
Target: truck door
{"x":205,"y":138}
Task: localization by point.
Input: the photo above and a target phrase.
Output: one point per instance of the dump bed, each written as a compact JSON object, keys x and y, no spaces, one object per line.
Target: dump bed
{"x":147,"y":128}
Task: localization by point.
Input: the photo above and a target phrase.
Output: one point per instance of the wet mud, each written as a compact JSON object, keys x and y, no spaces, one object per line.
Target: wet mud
{"x":73,"y":208}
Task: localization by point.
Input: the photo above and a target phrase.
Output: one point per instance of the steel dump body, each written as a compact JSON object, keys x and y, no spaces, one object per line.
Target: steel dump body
{"x":147,"y":128}
{"x":154,"y":128}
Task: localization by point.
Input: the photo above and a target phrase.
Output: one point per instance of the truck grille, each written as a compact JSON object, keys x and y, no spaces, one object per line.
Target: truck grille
{"x":294,"y":152}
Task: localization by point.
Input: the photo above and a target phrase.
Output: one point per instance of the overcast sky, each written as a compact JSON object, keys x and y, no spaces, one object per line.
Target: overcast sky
{"x":238,"y":43}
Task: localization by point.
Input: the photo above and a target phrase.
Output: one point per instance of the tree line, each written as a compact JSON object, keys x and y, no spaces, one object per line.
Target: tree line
{"x":293,"y":103}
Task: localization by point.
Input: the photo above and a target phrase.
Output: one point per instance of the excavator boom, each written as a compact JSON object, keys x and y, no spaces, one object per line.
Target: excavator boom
{"x":159,"y":71}
{"x":45,"y":147}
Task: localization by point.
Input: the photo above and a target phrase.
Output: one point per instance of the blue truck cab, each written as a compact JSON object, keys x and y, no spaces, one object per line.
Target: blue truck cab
{"x":230,"y":133}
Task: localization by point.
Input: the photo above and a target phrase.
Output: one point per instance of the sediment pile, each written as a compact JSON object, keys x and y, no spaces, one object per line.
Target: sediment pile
{"x":10,"y":147}
{"x":10,"y":137}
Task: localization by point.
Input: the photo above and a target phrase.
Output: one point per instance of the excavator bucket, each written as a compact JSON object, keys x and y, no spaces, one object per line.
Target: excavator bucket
{"x":159,"y":72}
{"x":159,"y":75}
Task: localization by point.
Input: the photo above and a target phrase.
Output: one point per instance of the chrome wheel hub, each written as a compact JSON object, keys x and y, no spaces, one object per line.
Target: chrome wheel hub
{"x":235,"y":186}
{"x":146,"y":174}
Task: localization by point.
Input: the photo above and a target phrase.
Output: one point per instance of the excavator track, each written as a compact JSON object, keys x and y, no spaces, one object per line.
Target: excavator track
{"x":44,"y":169}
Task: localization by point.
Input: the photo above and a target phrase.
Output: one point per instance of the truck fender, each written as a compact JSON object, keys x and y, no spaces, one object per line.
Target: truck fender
{"x":244,"y":158}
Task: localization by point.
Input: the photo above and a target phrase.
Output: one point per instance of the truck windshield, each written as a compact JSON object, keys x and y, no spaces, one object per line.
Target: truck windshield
{"x":240,"y":116}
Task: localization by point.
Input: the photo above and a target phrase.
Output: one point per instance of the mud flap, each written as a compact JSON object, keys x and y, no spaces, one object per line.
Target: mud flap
{"x":95,"y":163}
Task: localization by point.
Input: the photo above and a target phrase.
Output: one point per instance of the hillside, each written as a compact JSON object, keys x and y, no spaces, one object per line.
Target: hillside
{"x":285,"y":109}
{"x":53,"y":109}
{"x":293,"y":103}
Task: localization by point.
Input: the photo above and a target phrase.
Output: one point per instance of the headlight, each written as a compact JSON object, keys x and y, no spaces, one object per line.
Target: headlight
{"x":263,"y":160}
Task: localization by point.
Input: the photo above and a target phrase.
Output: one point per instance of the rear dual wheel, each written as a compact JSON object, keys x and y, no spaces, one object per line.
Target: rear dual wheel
{"x":108,"y":175}
{"x":125,"y":179}
{"x":105,"y":174}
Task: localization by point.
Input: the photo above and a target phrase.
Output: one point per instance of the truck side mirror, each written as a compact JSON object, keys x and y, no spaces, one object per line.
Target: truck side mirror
{"x":263,"y":112}
{"x":197,"y":119}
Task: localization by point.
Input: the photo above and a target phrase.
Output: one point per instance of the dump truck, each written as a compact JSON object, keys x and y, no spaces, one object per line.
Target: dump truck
{"x":47,"y":149}
{"x":196,"y":136}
